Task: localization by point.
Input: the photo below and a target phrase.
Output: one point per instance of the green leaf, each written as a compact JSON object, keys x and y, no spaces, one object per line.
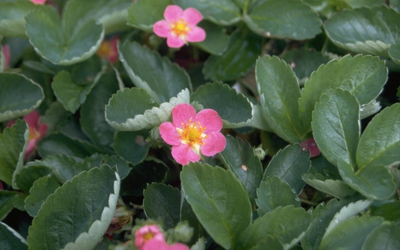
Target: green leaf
{"x":336,"y":126}
{"x":304,"y":62}
{"x":214,"y":195}
{"x":12,"y":21}
{"x":60,"y":143}
{"x":322,"y":216}
{"x":239,"y":58}
{"x":148,"y":171}
{"x":133,"y":109}
{"x":69,"y":93}
{"x":39,"y":192}
{"x":347,"y":212}
{"x":112,"y":14}
{"x":2,"y":59}
{"x":363,"y":76}
{"x":283,"y":18}
{"x":274,"y":193}
{"x":10,"y":239}
{"x":240,"y":158}
{"x":350,"y":234}
{"x":287,"y":224}
{"x":66,"y":212}
{"x":278,"y":85}
{"x":14,"y":89}
{"x":7,"y":201}
{"x":372,"y":30}
{"x":380,"y":142}
{"x":162,"y":201}
{"x":237,"y":110}
{"x":389,"y":211}
{"x":336,"y":130}
{"x":216,"y":40}
{"x":132,"y":146}
{"x":67,"y":41}
{"x":123,"y":167}
{"x":289,"y":165}
{"x":222,"y":12}
{"x":28,"y":174}
{"x":12,"y":149}
{"x":155,"y":74}
{"x":92,"y":111}
{"x":394,"y":52}
{"x":335,"y":188}
{"x":144,"y":13}
{"x":384,"y":237}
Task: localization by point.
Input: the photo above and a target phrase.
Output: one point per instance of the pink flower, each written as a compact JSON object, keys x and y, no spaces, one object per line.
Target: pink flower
{"x":190,"y":134}
{"x":36,"y":131}
{"x":7,"y":55}
{"x":179,"y":26}
{"x":310,"y":145}
{"x":108,"y":49}
{"x":147,"y":233}
{"x":155,"y":244}
{"x":38,"y":1}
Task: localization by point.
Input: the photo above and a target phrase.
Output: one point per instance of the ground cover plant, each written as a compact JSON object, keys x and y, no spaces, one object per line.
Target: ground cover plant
{"x":199,"y":124}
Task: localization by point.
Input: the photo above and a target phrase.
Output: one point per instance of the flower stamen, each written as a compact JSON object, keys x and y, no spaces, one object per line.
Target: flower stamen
{"x":192,"y":134}
{"x":180,"y":28}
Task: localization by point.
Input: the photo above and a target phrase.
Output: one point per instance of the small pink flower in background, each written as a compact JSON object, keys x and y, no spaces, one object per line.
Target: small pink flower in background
{"x":36,"y":131}
{"x":192,"y":134}
{"x":179,"y":26}
{"x":162,"y":245}
{"x":108,"y":49}
{"x":38,"y":1}
{"x":310,"y":145}
{"x":7,"y":55}
{"x":147,"y":233}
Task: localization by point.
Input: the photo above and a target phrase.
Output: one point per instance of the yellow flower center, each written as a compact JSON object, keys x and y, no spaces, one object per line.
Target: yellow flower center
{"x":192,"y":134}
{"x":33,"y":134}
{"x":105,"y":49}
{"x":148,"y":236}
{"x":180,"y":28}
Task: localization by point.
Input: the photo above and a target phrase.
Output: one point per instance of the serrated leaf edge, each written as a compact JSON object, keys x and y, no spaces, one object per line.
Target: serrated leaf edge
{"x":347,"y":212}
{"x":143,"y":121}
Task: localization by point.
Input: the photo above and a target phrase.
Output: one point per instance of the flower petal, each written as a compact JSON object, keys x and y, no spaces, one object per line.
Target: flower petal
{"x":32,"y":119}
{"x":31,"y":146}
{"x":183,"y":154}
{"x":213,"y":144}
{"x":209,"y":119}
{"x":174,"y":41}
{"x":155,"y":244}
{"x":192,"y":16}
{"x":169,"y":134}
{"x":161,"y":28}
{"x":178,"y":246}
{"x":172,"y":12}
{"x":182,"y":113}
{"x":196,"y":34}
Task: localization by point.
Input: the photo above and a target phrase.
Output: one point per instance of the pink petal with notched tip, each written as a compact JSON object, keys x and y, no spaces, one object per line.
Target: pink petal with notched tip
{"x":161,"y":28}
{"x":184,"y":154}
{"x":175,"y":41}
{"x":30,"y":148}
{"x":213,"y":144}
{"x":196,"y":34}
{"x":172,"y":12}
{"x":209,"y":119}
{"x":182,"y":113}
{"x":169,"y":134}
{"x":192,"y":16}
